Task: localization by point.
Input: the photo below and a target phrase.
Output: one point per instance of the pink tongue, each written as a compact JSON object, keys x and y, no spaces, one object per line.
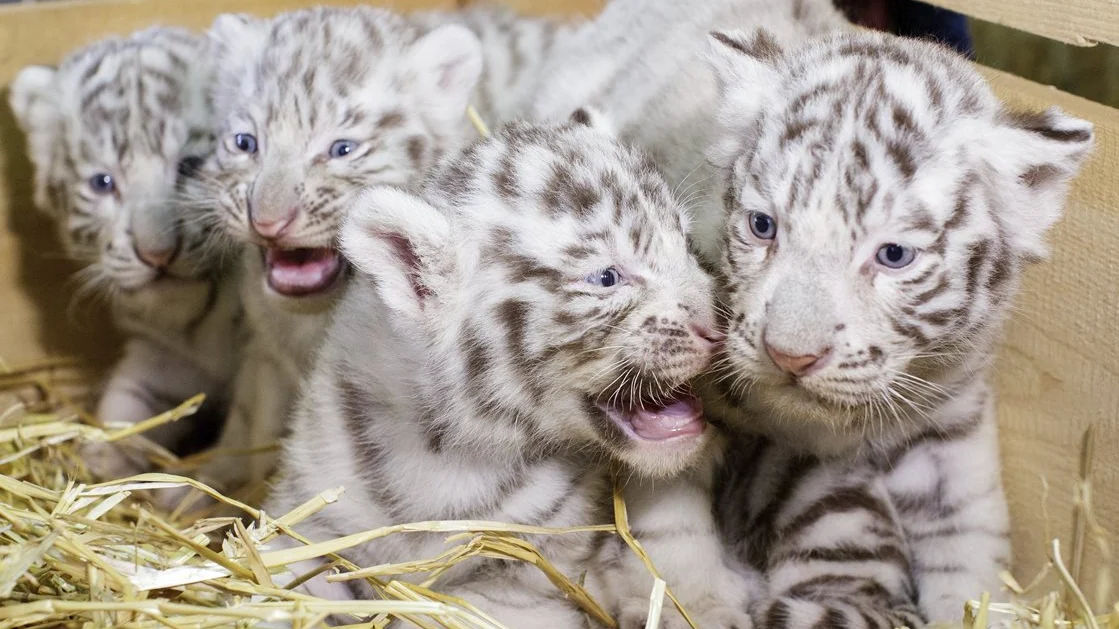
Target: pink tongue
{"x":679,"y":418}
{"x":301,"y":271}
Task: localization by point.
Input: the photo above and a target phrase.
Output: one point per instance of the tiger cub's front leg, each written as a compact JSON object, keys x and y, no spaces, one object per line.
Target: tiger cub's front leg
{"x":949,"y":497}
{"x":256,"y":420}
{"x":147,"y":381}
{"x":826,"y":536}
{"x":673,"y":520}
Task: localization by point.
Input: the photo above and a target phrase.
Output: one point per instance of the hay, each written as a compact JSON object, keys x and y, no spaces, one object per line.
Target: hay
{"x":74,"y":553}
{"x":477,"y":122}
{"x":79,"y":553}
{"x":1069,"y":606}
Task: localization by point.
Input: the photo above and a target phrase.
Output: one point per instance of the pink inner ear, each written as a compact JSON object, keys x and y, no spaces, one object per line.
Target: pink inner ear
{"x":447,"y":73}
{"x":1040,"y":175}
{"x":407,"y":254}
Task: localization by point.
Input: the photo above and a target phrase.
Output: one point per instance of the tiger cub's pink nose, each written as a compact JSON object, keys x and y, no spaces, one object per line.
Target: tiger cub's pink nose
{"x":157,"y":258}
{"x":708,"y":333}
{"x":273,"y":229}
{"x":801,"y":365}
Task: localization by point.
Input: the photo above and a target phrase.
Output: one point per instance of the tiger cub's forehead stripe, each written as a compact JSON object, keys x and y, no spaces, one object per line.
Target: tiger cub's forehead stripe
{"x":128,"y":91}
{"x":565,"y":183}
{"x":334,"y":55}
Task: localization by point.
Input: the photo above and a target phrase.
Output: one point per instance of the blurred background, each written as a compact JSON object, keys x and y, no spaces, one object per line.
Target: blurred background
{"x":1089,"y":72}
{"x":1092,"y":73}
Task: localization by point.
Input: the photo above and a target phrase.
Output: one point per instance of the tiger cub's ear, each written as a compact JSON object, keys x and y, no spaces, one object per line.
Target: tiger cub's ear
{"x":594,"y":118}
{"x":33,"y":96}
{"x":745,"y":67}
{"x":233,"y":43}
{"x":1037,"y":154}
{"x":445,"y":65}
{"x":744,"y":61}
{"x":237,"y":35}
{"x":403,"y":242}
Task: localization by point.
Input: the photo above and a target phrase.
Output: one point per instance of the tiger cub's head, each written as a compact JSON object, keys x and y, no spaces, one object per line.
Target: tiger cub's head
{"x":546,"y":271}
{"x":880,"y":206}
{"x":112,"y":132}
{"x":314,"y":106}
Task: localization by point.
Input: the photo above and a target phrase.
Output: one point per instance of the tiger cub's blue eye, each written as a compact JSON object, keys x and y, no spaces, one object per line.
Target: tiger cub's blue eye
{"x":102,"y":183}
{"x":895,"y":256}
{"x":245,"y":142}
{"x":605,"y":278}
{"x":762,"y":225}
{"x":342,"y":148}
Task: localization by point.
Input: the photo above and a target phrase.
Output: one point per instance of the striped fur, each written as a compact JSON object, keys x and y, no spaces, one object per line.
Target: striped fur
{"x":112,"y":133}
{"x":515,"y":49}
{"x":394,"y":89}
{"x":846,"y":143}
{"x":643,"y":63}
{"x":826,"y":535}
{"x":476,"y":357}
{"x":880,"y":206}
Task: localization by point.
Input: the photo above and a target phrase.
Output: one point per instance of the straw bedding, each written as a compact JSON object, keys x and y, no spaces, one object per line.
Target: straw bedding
{"x":78,"y":554}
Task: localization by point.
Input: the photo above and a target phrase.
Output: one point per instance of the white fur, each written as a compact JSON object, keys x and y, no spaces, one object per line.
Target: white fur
{"x":935,"y":164}
{"x":179,"y":321}
{"x":418,"y":75}
{"x":448,"y":63}
{"x":427,"y":379}
{"x":715,"y":117}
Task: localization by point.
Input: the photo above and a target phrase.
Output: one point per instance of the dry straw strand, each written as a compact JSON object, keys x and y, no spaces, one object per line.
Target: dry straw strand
{"x":479,"y":124}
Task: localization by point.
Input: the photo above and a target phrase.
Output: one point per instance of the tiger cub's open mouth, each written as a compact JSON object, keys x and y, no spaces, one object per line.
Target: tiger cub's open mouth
{"x":302,"y":272}
{"x":674,"y":417}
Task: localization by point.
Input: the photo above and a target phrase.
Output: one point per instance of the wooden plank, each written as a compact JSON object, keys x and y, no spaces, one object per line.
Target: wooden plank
{"x":1089,"y":72}
{"x":1058,"y":371}
{"x":43,"y":33}
{"x":1077,"y":22}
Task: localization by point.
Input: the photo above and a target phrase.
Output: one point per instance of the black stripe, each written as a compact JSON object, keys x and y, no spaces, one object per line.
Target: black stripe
{"x":842,"y":500}
{"x":359,"y":413}
{"x":845,"y":553}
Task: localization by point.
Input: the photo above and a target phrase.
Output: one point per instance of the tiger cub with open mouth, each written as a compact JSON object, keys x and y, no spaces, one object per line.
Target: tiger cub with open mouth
{"x":530,"y":318}
{"x":313,"y":106}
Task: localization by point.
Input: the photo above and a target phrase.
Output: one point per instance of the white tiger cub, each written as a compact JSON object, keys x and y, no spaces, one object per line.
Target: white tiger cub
{"x":642,"y":63}
{"x":112,"y":132}
{"x":880,"y":207}
{"x":314,"y":106}
{"x":847,"y":503}
{"x":532,"y":316}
